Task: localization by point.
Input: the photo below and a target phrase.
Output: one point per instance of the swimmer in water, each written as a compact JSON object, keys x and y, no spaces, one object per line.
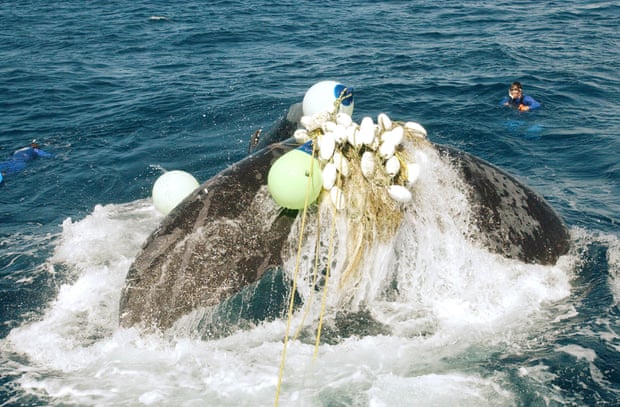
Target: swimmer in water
{"x":21,"y":157}
{"x":518,"y":100}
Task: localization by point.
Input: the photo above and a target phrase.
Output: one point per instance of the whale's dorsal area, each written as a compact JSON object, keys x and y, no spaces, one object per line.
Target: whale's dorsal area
{"x":514,"y":220}
{"x":229,"y":232}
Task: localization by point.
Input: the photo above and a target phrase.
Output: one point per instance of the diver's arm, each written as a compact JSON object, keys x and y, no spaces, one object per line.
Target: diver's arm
{"x":531,"y":102}
{"x":42,"y":153}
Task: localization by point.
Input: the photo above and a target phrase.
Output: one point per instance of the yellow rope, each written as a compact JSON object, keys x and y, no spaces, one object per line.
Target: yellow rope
{"x":327,"y":273}
{"x":315,"y":276}
{"x":343,"y":96}
{"x":371,"y":215}
{"x":294,"y":287}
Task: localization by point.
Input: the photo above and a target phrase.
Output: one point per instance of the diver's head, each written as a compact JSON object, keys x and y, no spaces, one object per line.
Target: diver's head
{"x":515,"y":91}
{"x":34,"y":144}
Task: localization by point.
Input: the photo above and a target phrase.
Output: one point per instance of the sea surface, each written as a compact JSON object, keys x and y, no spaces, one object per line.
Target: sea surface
{"x":120,"y":90}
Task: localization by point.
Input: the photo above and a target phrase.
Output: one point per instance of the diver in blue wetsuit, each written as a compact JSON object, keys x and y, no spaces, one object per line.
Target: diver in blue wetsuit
{"x":518,"y":100}
{"x":21,"y":157}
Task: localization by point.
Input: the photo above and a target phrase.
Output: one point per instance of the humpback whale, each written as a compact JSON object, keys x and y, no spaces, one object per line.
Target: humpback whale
{"x":229,"y":233}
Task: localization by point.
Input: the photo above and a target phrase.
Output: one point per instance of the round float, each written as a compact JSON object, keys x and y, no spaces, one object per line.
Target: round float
{"x":289,"y":176}
{"x":171,"y":188}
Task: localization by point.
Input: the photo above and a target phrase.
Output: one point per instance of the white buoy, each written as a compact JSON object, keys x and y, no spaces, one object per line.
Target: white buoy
{"x":367,"y":162}
{"x":386,"y":150}
{"x":328,"y":126}
{"x":327,"y":145}
{"x":399,"y":193}
{"x":301,"y":136}
{"x":366,"y":131}
{"x":352,"y":134}
{"x":392,"y":166}
{"x":394,"y":136}
{"x":384,"y":121}
{"x":417,"y":129}
{"x":171,"y":188}
{"x":341,"y":163}
{"x":337,"y":198}
{"x":340,"y":133}
{"x":322,"y":95}
{"x":330,"y":173}
{"x":344,"y":119}
{"x":315,"y":121}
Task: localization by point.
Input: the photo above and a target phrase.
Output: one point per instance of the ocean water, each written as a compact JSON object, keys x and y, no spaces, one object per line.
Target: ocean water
{"x":120,"y":90}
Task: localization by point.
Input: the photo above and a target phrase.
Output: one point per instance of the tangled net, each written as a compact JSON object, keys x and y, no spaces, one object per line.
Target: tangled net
{"x":368,"y":170}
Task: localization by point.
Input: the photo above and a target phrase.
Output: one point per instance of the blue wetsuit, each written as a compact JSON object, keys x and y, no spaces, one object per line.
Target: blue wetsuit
{"x":20,"y":158}
{"x":523,"y":100}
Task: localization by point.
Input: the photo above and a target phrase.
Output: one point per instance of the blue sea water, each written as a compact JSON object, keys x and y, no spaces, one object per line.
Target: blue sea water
{"x":119,"y":90}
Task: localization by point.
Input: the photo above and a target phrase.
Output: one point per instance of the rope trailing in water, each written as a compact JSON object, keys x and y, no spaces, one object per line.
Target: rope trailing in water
{"x":327,"y":273}
{"x":343,"y":95}
{"x":369,"y":193}
{"x":315,"y":275}
{"x":294,"y":287}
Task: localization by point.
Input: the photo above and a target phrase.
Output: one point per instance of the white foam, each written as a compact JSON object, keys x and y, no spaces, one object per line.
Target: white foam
{"x":579,"y":352}
{"x":452,"y":296}
{"x":613,"y":260}
{"x":437,"y":390}
{"x":444,"y":276}
{"x":98,"y":250}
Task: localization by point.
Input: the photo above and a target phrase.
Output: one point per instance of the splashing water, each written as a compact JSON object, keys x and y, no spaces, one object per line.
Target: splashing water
{"x":424,"y":314}
{"x":434,"y":272}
